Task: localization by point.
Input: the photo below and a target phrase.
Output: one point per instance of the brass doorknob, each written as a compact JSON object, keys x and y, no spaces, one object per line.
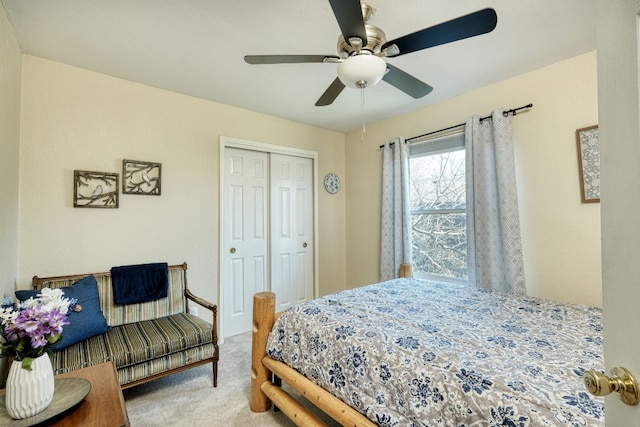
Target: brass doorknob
{"x":621,"y":381}
{"x":304,"y":245}
{"x":232,"y":250}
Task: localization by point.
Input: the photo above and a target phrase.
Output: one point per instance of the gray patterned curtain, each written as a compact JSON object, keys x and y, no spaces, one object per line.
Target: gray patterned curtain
{"x":395,"y":245}
{"x":494,"y":243}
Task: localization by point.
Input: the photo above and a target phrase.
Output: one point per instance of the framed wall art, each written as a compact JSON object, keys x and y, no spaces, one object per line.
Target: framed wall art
{"x":95,"y":189}
{"x":140,"y":177}
{"x":589,"y":163}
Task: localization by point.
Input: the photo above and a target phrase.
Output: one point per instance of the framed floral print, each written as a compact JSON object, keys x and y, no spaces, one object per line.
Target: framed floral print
{"x":589,"y":163}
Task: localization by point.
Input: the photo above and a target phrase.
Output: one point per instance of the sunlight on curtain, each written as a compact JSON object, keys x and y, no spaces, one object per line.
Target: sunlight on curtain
{"x":493,"y":223}
{"x":395,"y":245}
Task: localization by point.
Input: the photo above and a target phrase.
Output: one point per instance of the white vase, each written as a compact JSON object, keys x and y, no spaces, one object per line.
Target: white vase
{"x":29,"y":392}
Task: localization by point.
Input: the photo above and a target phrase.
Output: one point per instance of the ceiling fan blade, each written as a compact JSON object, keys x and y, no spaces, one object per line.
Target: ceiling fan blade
{"x":349,"y":16}
{"x":331,"y":93}
{"x":406,"y":82}
{"x":288,"y":59}
{"x":473,"y":24}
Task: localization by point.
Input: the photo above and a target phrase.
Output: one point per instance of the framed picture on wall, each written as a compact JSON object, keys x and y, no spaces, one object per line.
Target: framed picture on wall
{"x":95,"y":189}
{"x":589,"y":163}
{"x":140,"y":177}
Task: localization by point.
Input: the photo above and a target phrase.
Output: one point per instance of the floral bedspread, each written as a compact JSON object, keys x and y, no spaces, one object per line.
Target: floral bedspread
{"x":410,"y":352}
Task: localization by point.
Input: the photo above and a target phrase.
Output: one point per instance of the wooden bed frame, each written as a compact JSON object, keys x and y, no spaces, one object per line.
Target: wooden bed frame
{"x":266,"y":390}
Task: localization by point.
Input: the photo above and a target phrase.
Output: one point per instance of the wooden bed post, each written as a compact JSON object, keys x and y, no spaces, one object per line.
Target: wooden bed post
{"x":264,"y":307}
{"x":406,"y":270}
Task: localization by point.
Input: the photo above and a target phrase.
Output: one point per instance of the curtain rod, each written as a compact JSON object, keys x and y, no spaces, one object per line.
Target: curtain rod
{"x":505,"y":113}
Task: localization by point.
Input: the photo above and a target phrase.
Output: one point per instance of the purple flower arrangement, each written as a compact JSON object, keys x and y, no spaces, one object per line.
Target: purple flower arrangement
{"x":27,"y":328}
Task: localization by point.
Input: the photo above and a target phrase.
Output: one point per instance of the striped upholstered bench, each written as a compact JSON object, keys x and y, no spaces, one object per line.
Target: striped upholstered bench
{"x":146,"y":340}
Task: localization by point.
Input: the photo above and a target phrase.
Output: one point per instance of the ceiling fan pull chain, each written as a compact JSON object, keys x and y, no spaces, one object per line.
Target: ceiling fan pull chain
{"x":362,"y":114}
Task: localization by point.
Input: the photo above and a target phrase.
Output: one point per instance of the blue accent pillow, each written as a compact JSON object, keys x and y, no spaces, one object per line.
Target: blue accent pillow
{"x":83,"y":324}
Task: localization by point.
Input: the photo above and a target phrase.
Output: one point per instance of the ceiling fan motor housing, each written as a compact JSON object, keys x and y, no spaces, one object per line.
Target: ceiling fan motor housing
{"x":375,"y":39}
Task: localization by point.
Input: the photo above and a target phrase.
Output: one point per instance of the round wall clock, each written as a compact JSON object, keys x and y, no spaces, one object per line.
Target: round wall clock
{"x":332,"y":183}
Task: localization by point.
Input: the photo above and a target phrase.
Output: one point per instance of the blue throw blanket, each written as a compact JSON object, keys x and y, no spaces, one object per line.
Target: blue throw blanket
{"x":139,"y":283}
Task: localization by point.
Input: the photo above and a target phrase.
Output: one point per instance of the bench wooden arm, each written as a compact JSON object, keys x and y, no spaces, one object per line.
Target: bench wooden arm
{"x":201,"y":301}
{"x":208,"y":305}
{"x":214,"y":314}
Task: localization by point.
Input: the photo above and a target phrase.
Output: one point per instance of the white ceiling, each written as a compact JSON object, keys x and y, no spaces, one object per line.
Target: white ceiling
{"x":196,"y":47}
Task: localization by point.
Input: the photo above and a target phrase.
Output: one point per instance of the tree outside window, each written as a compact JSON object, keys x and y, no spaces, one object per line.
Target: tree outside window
{"x":438,"y":213}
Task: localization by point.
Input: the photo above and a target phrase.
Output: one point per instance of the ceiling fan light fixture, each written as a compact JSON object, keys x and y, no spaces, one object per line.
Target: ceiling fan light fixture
{"x":362,"y":70}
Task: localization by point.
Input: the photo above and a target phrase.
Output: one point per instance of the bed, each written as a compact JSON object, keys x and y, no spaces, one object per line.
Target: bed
{"x":410,"y":352}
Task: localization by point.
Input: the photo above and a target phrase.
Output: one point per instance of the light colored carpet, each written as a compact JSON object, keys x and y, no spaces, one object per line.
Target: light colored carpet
{"x":189,"y":399}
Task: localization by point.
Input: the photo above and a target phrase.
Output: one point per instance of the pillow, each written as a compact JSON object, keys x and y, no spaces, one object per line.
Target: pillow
{"x":83,"y":324}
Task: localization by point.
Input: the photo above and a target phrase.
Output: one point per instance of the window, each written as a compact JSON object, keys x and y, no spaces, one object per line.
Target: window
{"x":438,"y":208}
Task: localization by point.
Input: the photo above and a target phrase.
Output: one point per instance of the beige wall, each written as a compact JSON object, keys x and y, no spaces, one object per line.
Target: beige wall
{"x":77,"y":119}
{"x":10,"y":78}
{"x":561,"y":235}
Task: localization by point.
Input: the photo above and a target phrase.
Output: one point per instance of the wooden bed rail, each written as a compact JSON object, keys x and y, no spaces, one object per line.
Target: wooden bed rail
{"x":325,"y":401}
{"x":264,"y":391}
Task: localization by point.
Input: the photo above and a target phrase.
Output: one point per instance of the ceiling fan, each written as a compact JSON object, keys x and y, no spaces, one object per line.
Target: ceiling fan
{"x":362,"y":46}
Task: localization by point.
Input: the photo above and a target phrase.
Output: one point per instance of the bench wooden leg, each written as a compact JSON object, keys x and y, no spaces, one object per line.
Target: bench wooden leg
{"x":215,"y":374}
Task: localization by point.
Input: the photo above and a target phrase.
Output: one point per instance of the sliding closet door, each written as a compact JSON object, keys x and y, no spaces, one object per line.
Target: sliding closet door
{"x":267,"y":227}
{"x":245,"y":228}
{"x":291,"y":229}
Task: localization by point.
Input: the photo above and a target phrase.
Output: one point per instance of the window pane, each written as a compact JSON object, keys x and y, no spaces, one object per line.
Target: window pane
{"x":437,"y":181}
{"x":439,"y":238}
{"x":440,"y":244}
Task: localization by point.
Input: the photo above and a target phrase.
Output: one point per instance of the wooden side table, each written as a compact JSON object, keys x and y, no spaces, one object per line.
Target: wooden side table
{"x":104,"y":405}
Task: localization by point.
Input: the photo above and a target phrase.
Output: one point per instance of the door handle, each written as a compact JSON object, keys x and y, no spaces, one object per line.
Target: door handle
{"x":304,"y":245}
{"x":621,"y":381}
{"x":232,"y":250}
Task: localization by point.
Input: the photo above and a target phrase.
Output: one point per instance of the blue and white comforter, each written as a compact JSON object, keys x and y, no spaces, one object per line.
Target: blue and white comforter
{"x":414,"y":353}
